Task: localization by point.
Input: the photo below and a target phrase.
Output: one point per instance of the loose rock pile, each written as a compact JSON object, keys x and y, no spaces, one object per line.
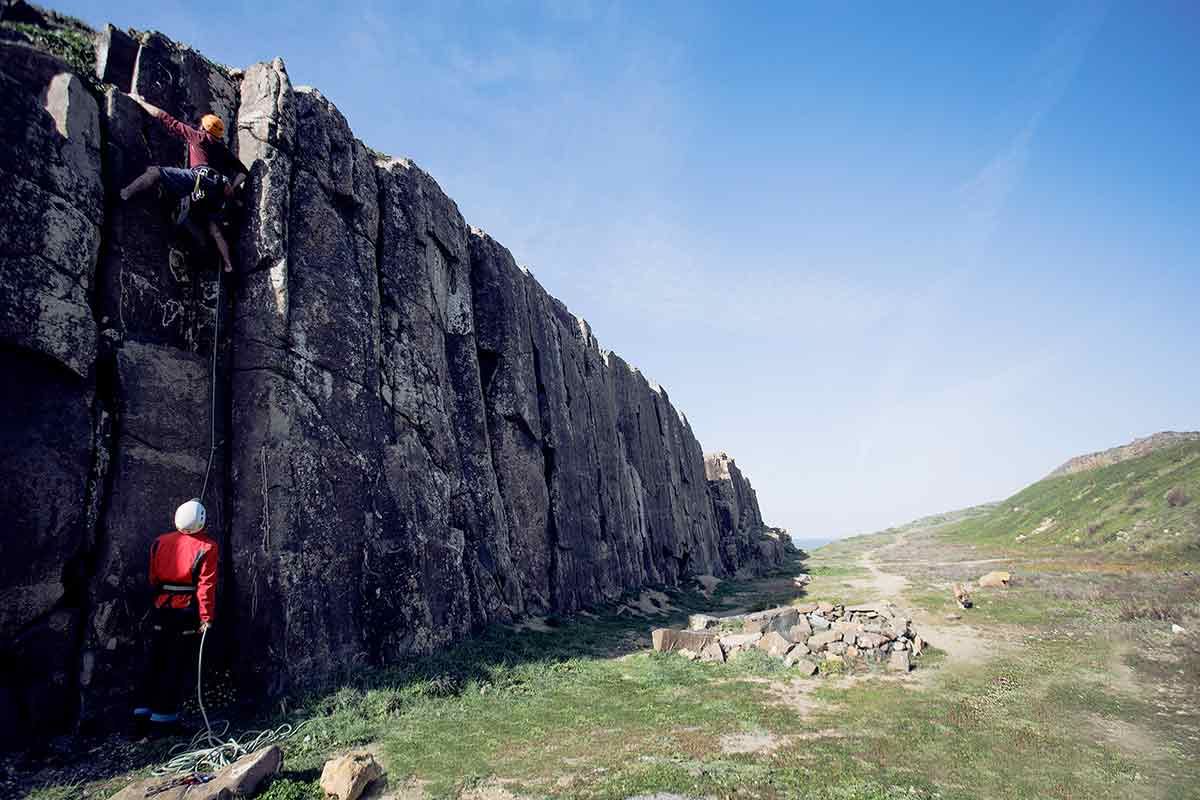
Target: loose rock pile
{"x":804,"y":636}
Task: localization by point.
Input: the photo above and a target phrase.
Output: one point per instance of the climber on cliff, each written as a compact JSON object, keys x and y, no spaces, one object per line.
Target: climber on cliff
{"x":183,"y":572}
{"x":211,"y":178}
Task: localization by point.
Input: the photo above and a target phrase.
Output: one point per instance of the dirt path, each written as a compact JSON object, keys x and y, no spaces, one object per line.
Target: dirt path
{"x":962,"y":643}
{"x":885,"y":585}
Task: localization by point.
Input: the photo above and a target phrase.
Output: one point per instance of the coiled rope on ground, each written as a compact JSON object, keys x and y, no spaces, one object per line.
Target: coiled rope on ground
{"x":208,"y":751}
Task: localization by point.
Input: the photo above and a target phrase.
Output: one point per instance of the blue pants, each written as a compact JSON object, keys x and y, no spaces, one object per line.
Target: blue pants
{"x":177,"y":181}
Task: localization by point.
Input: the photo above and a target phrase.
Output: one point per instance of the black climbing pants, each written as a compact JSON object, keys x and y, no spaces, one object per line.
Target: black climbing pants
{"x":171,"y":665}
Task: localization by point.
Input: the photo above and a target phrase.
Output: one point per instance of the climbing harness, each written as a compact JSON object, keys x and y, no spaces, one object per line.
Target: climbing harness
{"x":209,"y":187}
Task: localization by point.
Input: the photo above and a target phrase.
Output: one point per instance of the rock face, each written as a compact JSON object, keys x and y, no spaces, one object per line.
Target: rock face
{"x":745,"y":539}
{"x":411,"y":438}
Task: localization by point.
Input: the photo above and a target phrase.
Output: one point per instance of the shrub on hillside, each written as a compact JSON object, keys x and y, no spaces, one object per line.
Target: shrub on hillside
{"x":1177,"y":498}
{"x":1093,"y":527}
{"x":1136,"y":493}
{"x":1140,"y":609}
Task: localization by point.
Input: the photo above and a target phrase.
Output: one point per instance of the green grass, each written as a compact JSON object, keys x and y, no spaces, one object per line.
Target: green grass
{"x":68,"y":791}
{"x":284,"y":788}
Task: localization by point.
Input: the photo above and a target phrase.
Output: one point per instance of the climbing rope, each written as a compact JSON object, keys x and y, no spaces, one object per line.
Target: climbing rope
{"x":212,"y":396}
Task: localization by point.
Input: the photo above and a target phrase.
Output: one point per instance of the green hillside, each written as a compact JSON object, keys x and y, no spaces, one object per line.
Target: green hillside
{"x":1148,"y":505}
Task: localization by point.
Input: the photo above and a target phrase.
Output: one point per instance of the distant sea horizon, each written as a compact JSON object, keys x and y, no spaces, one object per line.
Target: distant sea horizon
{"x":812,"y":542}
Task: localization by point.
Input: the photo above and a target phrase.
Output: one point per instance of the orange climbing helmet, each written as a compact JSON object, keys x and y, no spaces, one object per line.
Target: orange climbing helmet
{"x":212,"y":123}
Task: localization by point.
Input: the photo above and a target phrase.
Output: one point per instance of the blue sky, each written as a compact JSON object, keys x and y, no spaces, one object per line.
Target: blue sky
{"x":895,"y":258}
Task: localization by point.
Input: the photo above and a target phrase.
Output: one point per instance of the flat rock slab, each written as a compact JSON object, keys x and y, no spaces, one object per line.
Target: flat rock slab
{"x":733,"y":642}
{"x":667,"y":640}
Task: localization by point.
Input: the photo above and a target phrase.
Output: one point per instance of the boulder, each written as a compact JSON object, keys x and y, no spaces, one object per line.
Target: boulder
{"x":345,"y":777}
{"x":996,"y":580}
{"x":806,"y":608}
{"x":825,"y":608}
{"x":242,"y":777}
{"x":804,"y":665}
{"x":666,"y":640}
{"x":867,"y":641}
{"x":784,"y":620}
{"x":799,"y":632}
{"x":837,"y":647}
{"x":734,"y":642}
{"x":818,"y":622}
{"x":713,"y":652}
{"x":774,"y":644}
{"x":845,"y":628}
{"x":818,"y":641}
{"x":702,"y":622}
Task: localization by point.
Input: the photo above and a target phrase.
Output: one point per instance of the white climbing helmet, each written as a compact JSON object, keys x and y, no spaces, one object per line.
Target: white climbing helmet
{"x":190,"y":517}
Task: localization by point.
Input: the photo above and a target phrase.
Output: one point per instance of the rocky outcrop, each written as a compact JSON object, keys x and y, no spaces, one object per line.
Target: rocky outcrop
{"x":410,"y":439}
{"x":1115,"y":455}
{"x":746,"y":541}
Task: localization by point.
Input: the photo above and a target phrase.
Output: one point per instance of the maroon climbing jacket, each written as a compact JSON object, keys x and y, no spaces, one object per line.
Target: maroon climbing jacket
{"x":204,"y":149}
{"x":183,"y":570}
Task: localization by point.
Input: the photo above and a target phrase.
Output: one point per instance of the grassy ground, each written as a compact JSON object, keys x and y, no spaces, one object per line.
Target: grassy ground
{"x":1074,"y":687}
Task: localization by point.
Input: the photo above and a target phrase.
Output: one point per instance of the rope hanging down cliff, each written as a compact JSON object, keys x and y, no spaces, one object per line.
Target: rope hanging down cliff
{"x":212,"y":395}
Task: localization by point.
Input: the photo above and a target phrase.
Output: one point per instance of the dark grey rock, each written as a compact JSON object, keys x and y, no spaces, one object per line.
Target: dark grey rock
{"x":116,"y":54}
{"x":413,"y":439}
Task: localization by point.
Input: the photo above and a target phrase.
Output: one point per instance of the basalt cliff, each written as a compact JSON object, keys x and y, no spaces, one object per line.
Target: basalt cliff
{"x":411,"y":439}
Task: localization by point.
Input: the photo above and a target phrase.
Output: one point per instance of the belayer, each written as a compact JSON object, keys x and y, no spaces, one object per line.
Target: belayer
{"x":212,"y":176}
{"x":183,"y":572}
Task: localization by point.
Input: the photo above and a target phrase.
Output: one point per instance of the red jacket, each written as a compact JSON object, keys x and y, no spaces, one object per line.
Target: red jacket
{"x":185,"y":559}
{"x":204,"y":149}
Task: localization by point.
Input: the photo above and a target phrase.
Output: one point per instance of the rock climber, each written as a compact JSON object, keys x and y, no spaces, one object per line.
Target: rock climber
{"x":211,"y":179}
{"x":183,"y":572}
